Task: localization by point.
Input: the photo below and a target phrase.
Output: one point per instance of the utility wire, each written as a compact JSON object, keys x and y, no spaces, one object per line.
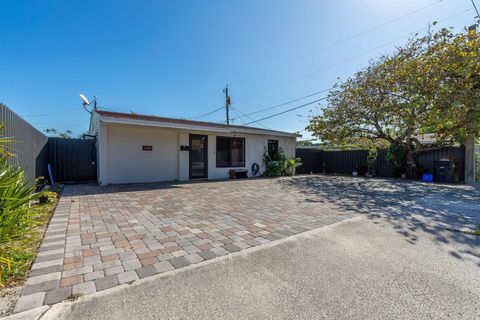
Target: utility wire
{"x":53,"y":113}
{"x":321,"y":49}
{"x":349,"y":58}
{"x":64,"y":126}
{"x":475,"y":6}
{"x":247,"y":116}
{"x":288,"y":102}
{"x":207,"y":114}
{"x":301,"y":106}
{"x":339,"y":42}
{"x":288,"y":110}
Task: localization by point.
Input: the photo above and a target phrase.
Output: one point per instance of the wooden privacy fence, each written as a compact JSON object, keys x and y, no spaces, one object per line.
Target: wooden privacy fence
{"x":72,"y":160}
{"x":345,"y":162}
{"x":28,"y":146}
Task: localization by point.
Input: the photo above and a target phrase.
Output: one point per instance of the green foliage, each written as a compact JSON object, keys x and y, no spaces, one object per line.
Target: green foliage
{"x":276,"y":165}
{"x":279,"y":165}
{"x":430,"y":85}
{"x":397,"y":156}
{"x":304,"y":143}
{"x":19,"y":218}
{"x":47,"y":197}
{"x":292,"y":164}
{"x":372,"y":160}
{"x":59,"y":134}
{"x":4,"y":140}
{"x":15,"y":216}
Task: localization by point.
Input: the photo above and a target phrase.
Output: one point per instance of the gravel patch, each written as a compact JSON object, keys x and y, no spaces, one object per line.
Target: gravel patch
{"x":8,"y":297}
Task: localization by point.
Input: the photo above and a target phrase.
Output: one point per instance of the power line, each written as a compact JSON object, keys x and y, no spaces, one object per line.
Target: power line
{"x":59,"y":126}
{"x":53,"y":113}
{"x":475,"y":6}
{"x":349,"y":58}
{"x":207,"y":114}
{"x":339,"y":42}
{"x":247,"y":116}
{"x":288,"y":102}
{"x":301,"y":106}
{"x":288,"y":110}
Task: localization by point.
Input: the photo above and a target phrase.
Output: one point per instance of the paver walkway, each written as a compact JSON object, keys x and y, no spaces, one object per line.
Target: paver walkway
{"x":101,"y":237}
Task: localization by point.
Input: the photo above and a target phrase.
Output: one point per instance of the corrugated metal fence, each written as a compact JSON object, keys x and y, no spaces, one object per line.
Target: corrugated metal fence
{"x":29,"y":144}
{"x":344,"y":162}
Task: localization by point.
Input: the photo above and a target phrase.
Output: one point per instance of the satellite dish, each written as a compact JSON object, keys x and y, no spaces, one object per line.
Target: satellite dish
{"x":85,"y":100}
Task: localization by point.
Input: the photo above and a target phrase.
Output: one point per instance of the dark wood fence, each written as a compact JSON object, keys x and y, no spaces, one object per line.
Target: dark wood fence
{"x":72,"y":160}
{"x":312,"y":160}
{"x":344,"y":162}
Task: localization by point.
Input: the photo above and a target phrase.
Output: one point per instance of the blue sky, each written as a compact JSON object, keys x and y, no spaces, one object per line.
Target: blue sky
{"x":172,"y":58}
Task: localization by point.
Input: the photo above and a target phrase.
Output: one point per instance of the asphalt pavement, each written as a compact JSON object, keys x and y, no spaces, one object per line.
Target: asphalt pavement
{"x":362,"y":268}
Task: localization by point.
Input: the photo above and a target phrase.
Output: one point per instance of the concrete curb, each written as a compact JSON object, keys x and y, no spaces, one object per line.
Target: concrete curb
{"x":32,"y":314}
{"x":55,"y":311}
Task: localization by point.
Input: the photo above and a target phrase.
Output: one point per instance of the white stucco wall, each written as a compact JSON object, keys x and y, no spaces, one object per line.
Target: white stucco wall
{"x":127,"y":162}
{"x":121,"y":159}
{"x":255,"y":146}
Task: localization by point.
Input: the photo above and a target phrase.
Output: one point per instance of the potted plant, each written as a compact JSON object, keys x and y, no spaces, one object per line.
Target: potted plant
{"x":292,"y":164}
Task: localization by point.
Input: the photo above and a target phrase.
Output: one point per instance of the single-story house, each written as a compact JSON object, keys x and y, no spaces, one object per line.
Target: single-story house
{"x":135,"y":148}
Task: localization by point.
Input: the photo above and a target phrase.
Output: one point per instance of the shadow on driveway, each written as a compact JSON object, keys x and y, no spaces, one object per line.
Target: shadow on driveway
{"x":408,"y":205}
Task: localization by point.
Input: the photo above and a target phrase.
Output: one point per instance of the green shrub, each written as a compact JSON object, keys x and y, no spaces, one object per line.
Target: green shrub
{"x":397,"y":156}
{"x":279,"y":165}
{"x":15,"y":217}
{"x":372,"y":161}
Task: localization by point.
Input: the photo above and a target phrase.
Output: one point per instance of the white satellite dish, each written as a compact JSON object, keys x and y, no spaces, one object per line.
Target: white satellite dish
{"x":85,"y":100}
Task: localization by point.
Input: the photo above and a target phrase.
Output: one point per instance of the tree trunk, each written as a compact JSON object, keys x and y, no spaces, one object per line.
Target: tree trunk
{"x":470,"y":147}
{"x":412,"y":166}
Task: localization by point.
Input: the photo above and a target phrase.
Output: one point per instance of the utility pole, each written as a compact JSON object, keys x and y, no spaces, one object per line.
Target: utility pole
{"x":227,"y":103}
{"x":470,"y":134}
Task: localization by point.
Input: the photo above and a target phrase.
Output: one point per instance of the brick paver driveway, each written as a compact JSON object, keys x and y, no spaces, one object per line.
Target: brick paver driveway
{"x":101,"y":237}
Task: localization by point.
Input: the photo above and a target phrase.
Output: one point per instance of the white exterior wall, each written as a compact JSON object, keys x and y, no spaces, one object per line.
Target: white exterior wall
{"x":121,"y":159}
{"x":127,"y":162}
{"x":255,"y":146}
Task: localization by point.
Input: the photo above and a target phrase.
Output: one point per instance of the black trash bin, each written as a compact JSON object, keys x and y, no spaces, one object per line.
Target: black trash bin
{"x":446,"y":170}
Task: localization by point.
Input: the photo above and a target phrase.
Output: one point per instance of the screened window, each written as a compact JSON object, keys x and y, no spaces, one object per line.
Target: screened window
{"x":272,"y":148}
{"x":230,"y":152}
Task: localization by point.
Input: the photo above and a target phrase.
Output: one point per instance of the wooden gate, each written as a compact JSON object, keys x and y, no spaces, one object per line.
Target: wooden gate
{"x":72,"y":160}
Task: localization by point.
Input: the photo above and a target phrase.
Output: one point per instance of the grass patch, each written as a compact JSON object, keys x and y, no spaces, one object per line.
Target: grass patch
{"x":476,"y":232}
{"x":22,"y":251}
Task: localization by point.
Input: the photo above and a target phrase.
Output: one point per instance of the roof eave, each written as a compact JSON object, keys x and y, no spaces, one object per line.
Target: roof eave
{"x":159,"y":124}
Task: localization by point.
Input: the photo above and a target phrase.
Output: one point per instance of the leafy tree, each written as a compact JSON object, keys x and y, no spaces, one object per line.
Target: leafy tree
{"x":430,"y":85}
{"x":304,"y":143}
{"x":56,"y":133}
